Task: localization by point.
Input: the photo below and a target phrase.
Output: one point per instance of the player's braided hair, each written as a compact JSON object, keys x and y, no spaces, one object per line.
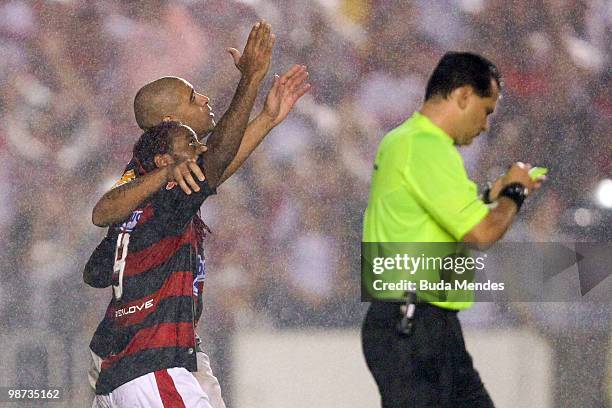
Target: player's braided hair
{"x":154,"y":141}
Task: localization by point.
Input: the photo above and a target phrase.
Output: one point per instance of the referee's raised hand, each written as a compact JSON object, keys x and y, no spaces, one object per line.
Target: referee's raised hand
{"x":255,"y":59}
{"x":519,"y":173}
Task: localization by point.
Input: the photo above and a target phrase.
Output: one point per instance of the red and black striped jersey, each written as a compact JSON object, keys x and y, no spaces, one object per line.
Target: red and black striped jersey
{"x":158,"y":267}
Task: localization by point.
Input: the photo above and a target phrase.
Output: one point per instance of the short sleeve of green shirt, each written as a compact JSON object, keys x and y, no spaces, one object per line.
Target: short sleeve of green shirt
{"x":436,"y":175}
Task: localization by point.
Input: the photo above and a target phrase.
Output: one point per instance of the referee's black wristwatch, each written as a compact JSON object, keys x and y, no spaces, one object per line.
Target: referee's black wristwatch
{"x":516,"y":192}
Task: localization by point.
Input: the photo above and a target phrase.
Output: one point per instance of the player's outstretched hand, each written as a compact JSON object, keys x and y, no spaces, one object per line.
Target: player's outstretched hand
{"x":183,"y":173}
{"x":285,"y":92}
{"x":255,"y":59}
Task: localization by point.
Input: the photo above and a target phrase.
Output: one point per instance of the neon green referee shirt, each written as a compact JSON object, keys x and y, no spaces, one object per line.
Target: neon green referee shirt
{"x":420,"y":190}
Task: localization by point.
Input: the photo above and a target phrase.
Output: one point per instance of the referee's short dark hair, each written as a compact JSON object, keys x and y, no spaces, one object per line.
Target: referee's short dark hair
{"x":457,"y":69}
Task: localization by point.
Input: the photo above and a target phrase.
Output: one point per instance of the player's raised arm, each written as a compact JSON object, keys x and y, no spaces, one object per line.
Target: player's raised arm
{"x":281,"y":98}
{"x":253,"y":64}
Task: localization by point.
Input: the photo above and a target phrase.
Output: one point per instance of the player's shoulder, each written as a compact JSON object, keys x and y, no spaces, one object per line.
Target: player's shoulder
{"x":125,"y":178}
{"x":129,"y":173}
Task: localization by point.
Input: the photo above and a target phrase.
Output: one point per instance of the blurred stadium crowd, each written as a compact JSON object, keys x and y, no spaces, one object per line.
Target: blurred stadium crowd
{"x":286,"y":228}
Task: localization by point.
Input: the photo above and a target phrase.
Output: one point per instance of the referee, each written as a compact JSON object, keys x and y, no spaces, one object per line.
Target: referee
{"x":420,"y":192}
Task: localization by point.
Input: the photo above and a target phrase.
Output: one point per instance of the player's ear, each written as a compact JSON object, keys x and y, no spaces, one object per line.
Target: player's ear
{"x":163,"y":160}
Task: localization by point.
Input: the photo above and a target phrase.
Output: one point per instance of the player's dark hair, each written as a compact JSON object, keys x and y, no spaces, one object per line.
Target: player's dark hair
{"x":457,"y":69}
{"x":154,"y":141}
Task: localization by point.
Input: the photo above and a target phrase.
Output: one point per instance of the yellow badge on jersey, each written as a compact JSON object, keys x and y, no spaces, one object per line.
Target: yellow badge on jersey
{"x":126,"y":178}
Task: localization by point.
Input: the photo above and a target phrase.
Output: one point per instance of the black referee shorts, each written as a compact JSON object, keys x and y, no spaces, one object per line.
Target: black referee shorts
{"x":429,"y":368}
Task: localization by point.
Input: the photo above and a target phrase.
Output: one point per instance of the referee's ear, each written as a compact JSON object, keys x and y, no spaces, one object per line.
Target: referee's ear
{"x":462,"y":95}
